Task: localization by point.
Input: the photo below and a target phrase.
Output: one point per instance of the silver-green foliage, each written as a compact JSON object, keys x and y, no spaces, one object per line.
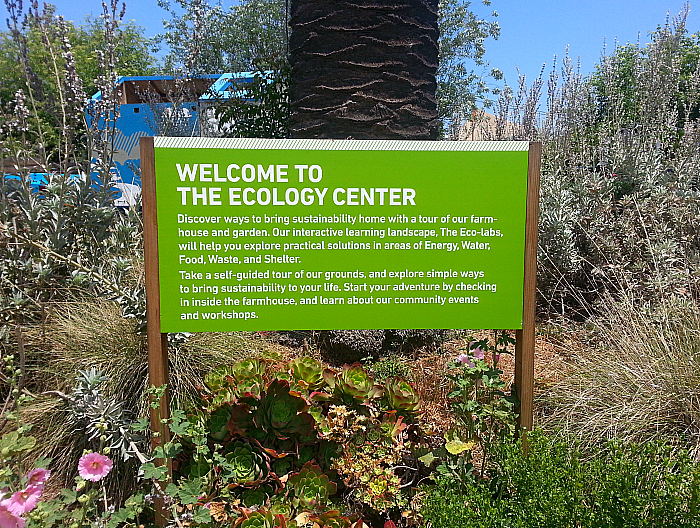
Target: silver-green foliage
{"x":620,"y":194}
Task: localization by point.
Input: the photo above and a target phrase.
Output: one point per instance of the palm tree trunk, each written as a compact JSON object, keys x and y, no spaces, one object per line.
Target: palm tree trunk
{"x":363,"y":69}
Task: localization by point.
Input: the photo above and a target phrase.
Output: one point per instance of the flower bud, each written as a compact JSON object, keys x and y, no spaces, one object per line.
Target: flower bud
{"x":83,"y":499}
{"x":81,"y":485}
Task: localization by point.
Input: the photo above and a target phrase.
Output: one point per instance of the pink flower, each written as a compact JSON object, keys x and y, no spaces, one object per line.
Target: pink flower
{"x":23,"y":501}
{"x":94,"y":466}
{"x":37,"y":477}
{"x":478,"y":353}
{"x":465,"y":360}
{"x":9,"y":519}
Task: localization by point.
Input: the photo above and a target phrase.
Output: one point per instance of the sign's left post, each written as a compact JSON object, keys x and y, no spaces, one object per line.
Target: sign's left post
{"x":157,"y":340}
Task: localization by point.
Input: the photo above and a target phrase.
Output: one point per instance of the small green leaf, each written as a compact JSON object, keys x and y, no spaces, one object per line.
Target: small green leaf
{"x":150,"y":471}
{"x":69,"y":496}
{"x":190,"y":490}
{"x":141,"y":424}
{"x":456,"y":446}
{"x":42,"y":462}
{"x":428,"y":458}
{"x":201,"y":515}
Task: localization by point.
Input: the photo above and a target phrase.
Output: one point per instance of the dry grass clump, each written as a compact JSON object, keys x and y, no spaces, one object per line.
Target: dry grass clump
{"x":91,"y":333}
{"x":639,"y":380}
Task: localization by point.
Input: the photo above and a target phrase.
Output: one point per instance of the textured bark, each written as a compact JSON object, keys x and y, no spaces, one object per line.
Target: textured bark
{"x":364,"y":69}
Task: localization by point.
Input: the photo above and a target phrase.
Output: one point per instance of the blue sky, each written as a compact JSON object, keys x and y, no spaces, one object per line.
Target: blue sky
{"x":532,"y":32}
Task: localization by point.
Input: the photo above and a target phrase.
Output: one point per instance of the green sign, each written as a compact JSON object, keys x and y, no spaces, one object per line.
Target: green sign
{"x":318,"y":234}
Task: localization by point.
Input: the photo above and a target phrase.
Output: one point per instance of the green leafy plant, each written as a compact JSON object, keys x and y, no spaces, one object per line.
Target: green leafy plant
{"x":307,"y":372}
{"x":484,"y":412}
{"x":246,"y":465}
{"x":558,"y":486}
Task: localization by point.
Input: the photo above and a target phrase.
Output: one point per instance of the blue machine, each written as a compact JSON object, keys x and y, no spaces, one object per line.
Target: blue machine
{"x":146,"y":109}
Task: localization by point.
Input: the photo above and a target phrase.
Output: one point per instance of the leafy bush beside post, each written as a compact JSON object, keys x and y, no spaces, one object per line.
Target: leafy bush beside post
{"x":554,"y":486}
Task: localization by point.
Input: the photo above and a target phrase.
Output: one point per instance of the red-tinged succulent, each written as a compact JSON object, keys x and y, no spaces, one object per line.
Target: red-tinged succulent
{"x":402,"y":396}
{"x":352,"y":383}
{"x":330,"y":519}
{"x":283,"y":414}
{"x":310,"y":488}
{"x":260,"y":519}
{"x":308,"y":373}
{"x":246,"y":465}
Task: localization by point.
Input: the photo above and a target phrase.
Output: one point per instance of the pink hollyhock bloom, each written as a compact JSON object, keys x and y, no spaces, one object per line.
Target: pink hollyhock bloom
{"x":478,"y":353}
{"x":94,"y":466}
{"x":23,"y":501}
{"x":38,"y":476}
{"x":465,"y":360}
{"x":9,"y":519}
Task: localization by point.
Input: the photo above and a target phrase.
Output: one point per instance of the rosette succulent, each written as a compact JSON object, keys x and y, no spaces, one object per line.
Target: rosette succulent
{"x":245,"y":465}
{"x":248,"y":368}
{"x":310,"y":488}
{"x":330,"y":519}
{"x":283,"y":414}
{"x":239,"y":382}
{"x":402,"y":396}
{"x":353,"y":383}
{"x":308,"y":373}
{"x":260,"y":519}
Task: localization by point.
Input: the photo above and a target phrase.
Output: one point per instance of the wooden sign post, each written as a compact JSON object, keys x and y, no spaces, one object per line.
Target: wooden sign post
{"x":157,"y":341}
{"x":525,"y":338}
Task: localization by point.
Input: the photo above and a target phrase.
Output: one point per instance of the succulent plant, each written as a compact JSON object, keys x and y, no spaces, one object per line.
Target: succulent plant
{"x":402,"y":396}
{"x":256,"y":497}
{"x":246,"y":465}
{"x":260,"y":519}
{"x":330,"y":519}
{"x":352,"y":383}
{"x":310,"y":488}
{"x":239,"y":382}
{"x":307,"y":372}
{"x":248,"y":368}
{"x":218,"y":423}
{"x":283,"y":414}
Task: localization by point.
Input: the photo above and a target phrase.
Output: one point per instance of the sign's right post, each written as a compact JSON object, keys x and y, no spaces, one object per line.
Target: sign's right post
{"x":525,"y":338}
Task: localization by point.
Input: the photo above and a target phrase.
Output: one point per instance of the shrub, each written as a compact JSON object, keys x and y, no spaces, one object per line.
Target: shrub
{"x":555,"y":486}
{"x":620,"y":196}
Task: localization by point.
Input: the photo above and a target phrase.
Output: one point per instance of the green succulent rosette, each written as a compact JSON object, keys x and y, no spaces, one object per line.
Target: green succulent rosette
{"x":247,"y":369}
{"x":308,"y":373}
{"x":402,"y":396}
{"x":260,"y":519}
{"x":330,"y":519}
{"x":246,"y":465}
{"x":310,"y":488}
{"x":283,"y":414}
{"x":353,"y":384}
{"x":218,"y":423}
{"x":242,"y":381}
